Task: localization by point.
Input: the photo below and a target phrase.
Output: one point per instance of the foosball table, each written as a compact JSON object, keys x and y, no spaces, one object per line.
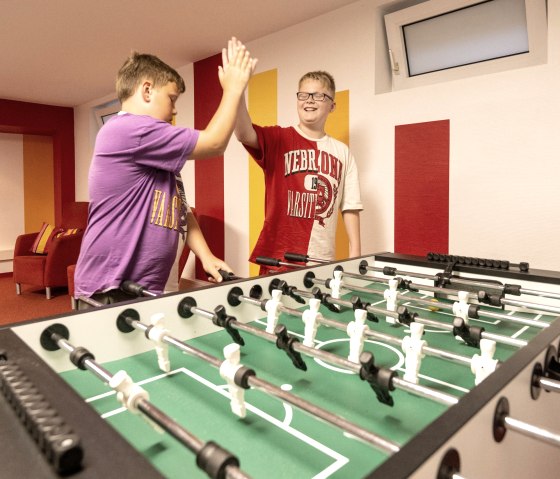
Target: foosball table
{"x":383,"y":366}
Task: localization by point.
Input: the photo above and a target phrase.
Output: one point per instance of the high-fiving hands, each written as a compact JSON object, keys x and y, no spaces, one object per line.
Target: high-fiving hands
{"x":237,"y":66}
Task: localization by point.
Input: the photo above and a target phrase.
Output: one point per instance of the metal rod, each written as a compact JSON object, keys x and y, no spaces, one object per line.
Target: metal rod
{"x":544,"y":294}
{"x":468,"y":282}
{"x":534,"y":432}
{"x":173,"y":428}
{"x":447,"y":307}
{"x":519,"y":343}
{"x":425,"y":392}
{"x":550,"y":385}
{"x":440,"y":353}
{"x":513,"y":319}
{"x":436,"y":324}
{"x":185,"y":348}
{"x":354,"y":367}
{"x":529,"y":305}
{"x":367,"y":436}
{"x":95,"y":368}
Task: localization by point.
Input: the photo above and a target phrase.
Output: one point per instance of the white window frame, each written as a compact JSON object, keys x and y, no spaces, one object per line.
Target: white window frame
{"x":106,"y":110}
{"x":536,"y":29}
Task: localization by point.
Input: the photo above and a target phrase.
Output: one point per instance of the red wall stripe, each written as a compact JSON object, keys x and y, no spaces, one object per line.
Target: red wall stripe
{"x":209,"y":173}
{"x":422,"y":188}
{"x":34,"y":119}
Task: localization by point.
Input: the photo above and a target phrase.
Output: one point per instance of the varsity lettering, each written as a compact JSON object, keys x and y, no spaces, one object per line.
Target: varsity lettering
{"x":164,"y":213}
{"x":301,"y":205}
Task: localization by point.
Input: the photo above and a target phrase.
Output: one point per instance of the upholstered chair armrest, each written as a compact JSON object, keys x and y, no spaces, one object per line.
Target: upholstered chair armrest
{"x":24,"y":244}
{"x":63,"y":251}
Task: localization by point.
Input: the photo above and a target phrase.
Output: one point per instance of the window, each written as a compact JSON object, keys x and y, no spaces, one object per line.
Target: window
{"x":449,"y":39}
{"x":106,"y":111}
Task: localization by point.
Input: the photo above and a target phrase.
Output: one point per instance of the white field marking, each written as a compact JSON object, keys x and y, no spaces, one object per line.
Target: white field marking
{"x":287,"y":407}
{"x":114,"y":412}
{"x":339,"y":459}
{"x":520,"y":332}
{"x":320,"y":344}
{"x":144,"y":381}
{"x":437,"y":381}
{"x":377,"y":302}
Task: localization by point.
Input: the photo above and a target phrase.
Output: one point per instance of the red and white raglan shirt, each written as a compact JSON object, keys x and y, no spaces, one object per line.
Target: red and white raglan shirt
{"x":307,"y":181}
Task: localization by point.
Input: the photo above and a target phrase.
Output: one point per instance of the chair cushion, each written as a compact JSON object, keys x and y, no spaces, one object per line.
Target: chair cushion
{"x":44,"y":237}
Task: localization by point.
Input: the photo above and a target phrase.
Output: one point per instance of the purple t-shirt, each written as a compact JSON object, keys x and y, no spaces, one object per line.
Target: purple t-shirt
{"x":134,"y":210}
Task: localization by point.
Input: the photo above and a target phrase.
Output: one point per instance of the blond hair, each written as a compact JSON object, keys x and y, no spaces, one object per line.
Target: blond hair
{"x":324,"y":77}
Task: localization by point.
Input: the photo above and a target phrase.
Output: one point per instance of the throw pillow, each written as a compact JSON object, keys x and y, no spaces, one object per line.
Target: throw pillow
{"x":68,"y":232}
{"x":40,"y":246}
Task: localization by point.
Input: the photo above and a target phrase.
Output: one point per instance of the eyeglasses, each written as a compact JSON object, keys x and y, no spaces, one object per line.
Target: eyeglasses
{"x":303,"y":95}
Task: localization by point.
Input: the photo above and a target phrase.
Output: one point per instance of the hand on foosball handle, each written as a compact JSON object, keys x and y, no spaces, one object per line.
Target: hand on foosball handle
{"x":227,"y":276}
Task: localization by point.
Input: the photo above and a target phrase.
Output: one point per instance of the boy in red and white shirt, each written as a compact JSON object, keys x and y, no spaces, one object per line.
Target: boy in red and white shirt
{"x":309,"y":176}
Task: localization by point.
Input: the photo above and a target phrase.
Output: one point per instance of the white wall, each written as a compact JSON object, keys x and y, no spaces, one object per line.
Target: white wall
{"x":503,"y":144}
{"x":11,"y":196}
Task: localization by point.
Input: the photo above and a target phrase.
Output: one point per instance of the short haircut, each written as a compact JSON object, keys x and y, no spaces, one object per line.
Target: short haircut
{"x":140,"y":67}
{"x":324,"y":77}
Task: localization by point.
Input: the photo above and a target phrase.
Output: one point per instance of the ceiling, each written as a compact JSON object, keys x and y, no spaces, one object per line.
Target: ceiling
{"x":67,"y":52}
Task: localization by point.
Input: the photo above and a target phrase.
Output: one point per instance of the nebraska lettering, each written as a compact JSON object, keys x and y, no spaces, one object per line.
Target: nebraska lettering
{"x":296,"y":161}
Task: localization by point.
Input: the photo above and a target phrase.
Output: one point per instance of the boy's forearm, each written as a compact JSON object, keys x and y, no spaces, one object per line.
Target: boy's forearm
{"x":195,"y":239}
{"x":234,"y":74}
{"x":244,"y":130}
{"x":214,"y":138}
{"x":351,"y":220}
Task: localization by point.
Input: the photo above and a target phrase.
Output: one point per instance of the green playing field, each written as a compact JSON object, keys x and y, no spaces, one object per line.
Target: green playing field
{"x":276,"y":439}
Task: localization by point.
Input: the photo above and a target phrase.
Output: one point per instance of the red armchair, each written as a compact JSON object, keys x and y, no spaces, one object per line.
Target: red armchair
{"x":50,"y":270}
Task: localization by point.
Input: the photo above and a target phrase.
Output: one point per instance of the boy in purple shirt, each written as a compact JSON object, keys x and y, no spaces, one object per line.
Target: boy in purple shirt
{"x":137,"y":207}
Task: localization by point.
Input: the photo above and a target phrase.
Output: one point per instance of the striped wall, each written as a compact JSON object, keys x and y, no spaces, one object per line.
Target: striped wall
{"x":422,"y":188}
{"x":39,"y":177}
{"x":503,"y":151}
{"x":262,"y":104}
{"x":26,"y":189}
{"x":38,"y":181}
{"x":209,"y":173}
{"x":56,"y":123}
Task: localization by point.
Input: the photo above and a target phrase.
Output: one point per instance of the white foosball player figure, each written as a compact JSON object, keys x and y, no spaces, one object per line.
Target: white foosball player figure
{"x":156,"y":334}
{"x":335,"y":284}
{"x":413,"y":347}
{"x":228,"y":368}
{"x":461,"y":307}
{"x":129,"y":394}
{"x":272,"y":312}
{"x":390,"y":296}
{"x":484,"y":364}
{"x":357,"y":332}
{"x":311,"y":318}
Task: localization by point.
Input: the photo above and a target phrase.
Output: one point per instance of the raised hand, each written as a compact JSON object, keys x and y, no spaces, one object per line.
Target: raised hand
{"x":237,"y":66}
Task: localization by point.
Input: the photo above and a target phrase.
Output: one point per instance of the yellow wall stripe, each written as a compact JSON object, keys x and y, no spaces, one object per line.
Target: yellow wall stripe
{"x":338,"y":126}
{"x":38,"y":182}
{"x":262,"y":104}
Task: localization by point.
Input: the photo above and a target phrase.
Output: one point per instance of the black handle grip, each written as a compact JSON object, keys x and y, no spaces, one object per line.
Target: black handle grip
{"x":132,"y":288}
{"x":300,"y":258}
{"x":267,"y":261}
{"x":227,"y":276}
